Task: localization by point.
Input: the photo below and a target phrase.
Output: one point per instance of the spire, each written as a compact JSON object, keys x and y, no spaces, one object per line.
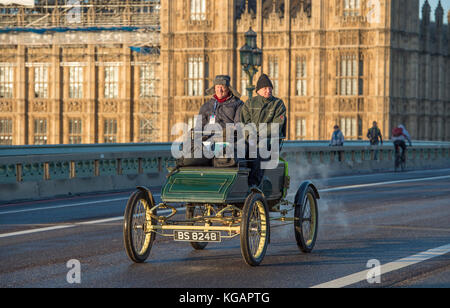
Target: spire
{"x":276,"y":9}
{"x":307,"y":5}
{"x":426,"y":10}
{"x":247,"y":9}
{"x":439,"y":15}
{"x":274,"y":6}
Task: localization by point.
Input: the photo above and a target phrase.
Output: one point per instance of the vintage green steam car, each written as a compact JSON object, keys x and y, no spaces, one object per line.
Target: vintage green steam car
{"x":219,"y":205}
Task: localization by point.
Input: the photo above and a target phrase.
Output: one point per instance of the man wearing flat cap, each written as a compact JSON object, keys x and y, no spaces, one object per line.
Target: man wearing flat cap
{"x":224,"y":106}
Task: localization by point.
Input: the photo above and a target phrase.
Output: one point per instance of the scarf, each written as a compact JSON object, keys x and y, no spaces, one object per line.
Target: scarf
{"x":223,"y":100}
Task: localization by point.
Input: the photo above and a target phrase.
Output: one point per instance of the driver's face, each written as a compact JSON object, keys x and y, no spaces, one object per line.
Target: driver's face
{"x":221,"y":91}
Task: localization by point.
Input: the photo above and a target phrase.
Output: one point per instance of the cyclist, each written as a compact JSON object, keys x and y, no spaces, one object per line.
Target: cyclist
{"x":399,"y":136}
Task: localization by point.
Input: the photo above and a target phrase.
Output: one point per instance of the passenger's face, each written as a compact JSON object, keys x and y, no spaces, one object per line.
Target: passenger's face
{"x":265,"y":92}
{"x":221,"y":91}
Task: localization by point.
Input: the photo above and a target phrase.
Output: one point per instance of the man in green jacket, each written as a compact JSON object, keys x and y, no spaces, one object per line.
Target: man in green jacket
{"x":263,"y":109}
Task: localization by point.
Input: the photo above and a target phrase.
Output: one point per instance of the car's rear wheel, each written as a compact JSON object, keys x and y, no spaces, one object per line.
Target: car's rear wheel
{"x":306,"y":221}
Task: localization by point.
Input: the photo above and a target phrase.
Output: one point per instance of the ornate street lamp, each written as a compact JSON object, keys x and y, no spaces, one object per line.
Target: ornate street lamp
{"x":251,"y":59}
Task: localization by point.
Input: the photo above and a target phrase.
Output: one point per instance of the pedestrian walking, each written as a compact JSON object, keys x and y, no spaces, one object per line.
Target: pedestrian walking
{"x":375,"y":138}
{"x":337,"y":140}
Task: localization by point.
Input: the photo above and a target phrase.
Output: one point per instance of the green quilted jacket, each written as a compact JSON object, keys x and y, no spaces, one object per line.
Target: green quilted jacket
{"x":259,"y":110}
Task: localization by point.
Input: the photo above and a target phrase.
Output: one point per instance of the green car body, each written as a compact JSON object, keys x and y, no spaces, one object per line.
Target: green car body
{"x":220,"y":185}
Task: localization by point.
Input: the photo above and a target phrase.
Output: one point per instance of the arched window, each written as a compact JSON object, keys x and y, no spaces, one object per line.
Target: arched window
{"x":301,"y":77}
{"x":300,"y":129}
{"x":6,"y":131}
{"x":75,"y":131}
{"x":352,"y":7}
{"x":6,"y":80}
{"x":75,"y":82}
{"x":196,"y":75}
{"x":111,"y":81}
{"x":41,"y":81}
{"x":350,"y":72}
{"x":40,"y":131}
{"x":198,"y":9}
{"x":110,"y":131}
{"x":273,"y":74}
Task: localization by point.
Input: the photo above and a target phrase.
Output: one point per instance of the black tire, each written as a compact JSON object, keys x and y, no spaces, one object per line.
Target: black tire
{"x":400,"y":164}
{"x":255,"y":229}
{"x":400,"y":158}
{"x":398,"y":161}
{"x":306,"y":221}
{"x":403,"y":162}
{"x":191,"y":212}
{"x":138,"y":242}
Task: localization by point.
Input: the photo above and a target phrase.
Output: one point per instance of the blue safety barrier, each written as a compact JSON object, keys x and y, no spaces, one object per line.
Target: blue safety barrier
{"x":146,"y":50}
{"x":68,"y":29}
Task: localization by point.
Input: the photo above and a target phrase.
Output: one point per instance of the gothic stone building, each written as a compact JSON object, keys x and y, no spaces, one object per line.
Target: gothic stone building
{"x":346,"y":62}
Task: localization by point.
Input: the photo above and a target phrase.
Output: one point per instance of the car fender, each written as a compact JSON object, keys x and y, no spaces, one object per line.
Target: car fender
{"x":301,"y":192}
{"x":149,"y":194}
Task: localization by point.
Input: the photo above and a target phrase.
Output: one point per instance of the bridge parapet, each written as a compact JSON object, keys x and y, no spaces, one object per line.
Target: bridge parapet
{"x":35,"y":172}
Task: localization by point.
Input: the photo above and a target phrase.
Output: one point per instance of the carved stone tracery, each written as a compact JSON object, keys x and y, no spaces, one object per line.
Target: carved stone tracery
{"x":5,"y":106}
{"x":39,"y":106}
{"x":109,"y":107}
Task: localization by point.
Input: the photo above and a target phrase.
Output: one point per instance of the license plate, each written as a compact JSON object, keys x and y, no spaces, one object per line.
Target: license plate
{"x":197,"y":236}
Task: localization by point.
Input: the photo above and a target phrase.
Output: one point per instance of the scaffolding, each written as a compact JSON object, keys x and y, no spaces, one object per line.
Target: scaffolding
{"x":81,"y":13}
{"x":68,"y":25}
{"x":85,"y":16}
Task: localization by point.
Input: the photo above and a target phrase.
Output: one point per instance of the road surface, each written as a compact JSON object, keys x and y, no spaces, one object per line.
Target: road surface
{"x":400,"y":221}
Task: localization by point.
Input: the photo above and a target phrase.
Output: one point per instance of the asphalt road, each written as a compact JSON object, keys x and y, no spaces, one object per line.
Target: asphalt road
{"x":389,"y":218}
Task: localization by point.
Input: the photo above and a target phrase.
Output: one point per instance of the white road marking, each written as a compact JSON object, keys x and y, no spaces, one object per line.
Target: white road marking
{"x":66,"y":226}
{"x":62,"y":206}
{"x":31,"y":231}
{"x":341,"y":188}
{"x":101,"y":221}
{"x":67,"y":205}
{"x":384,"y":183}
{"x":386,"y":268}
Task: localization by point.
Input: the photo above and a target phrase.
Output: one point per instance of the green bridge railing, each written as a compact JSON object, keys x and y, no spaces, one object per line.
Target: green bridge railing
{"x":19,"y":164}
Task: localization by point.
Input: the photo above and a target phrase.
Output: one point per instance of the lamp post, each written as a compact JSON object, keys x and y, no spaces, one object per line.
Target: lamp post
{"x":251,"y":59}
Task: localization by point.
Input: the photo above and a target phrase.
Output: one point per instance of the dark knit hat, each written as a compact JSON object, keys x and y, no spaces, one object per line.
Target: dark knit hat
{"x":263,"y":82}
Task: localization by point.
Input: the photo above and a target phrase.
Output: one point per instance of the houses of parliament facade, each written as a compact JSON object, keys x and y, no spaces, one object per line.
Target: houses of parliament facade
{"x":113,"y":71}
